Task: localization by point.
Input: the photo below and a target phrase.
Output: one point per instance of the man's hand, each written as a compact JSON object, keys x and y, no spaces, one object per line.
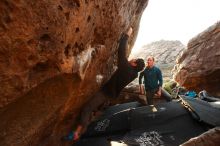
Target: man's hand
{"x":129,"y":32}
{"x":158,"y":92}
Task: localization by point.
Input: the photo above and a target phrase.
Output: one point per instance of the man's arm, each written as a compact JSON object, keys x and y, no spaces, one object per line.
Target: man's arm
{"x":122,"y":58}
{"x":160,"y":79}
{"x":140,"y":83}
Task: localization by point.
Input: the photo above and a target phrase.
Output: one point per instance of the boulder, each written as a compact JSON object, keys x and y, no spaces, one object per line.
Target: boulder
{"x":198,"y":67}
{"x":54,"y":55}
{"x":211,"y":137}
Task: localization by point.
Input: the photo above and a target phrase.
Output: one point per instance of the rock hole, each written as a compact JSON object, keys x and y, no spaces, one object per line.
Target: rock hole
{"x":67,"y":15}
{"x":62,"y":42}
{"x":7,"y":19}
{"x":81,"y":47}
{"x":77,"y":30}
{"x":31,"y":57}
{"x":8,"y":4}
{"x":74,"y":3}
{"x":45,"y":37}
{"x":41,"y":66}
{"x":86,"y":1}
{"x":66,"y":50}
{"x":31,"y":41}
{"x":93,"y":54}
{"x":75,"y":51}
{"x":76,"y":45}
{"x":60,"y":8}
{"x":77,"y":3}
{"x":89,"y":18}
{"x":47,"y":28}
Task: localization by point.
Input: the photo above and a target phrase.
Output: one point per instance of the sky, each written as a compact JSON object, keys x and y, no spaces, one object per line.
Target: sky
{"x":176,"y":20}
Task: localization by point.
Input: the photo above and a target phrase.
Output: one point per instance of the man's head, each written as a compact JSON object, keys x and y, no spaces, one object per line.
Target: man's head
{"x":150,"y":61}
{"x":138,"y":64}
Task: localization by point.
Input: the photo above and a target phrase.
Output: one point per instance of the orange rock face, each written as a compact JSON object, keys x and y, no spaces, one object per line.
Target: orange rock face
{"x":54,"y":55}
{"x":198,"y":68}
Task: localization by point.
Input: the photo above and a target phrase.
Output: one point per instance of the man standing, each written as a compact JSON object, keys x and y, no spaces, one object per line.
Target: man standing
{"x":152,"y":80}
{"x":127,"y":71}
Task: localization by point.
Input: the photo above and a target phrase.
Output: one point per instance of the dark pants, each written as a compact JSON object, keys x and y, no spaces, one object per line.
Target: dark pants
{"x":92,"y":105}
{"x":151,"y":93}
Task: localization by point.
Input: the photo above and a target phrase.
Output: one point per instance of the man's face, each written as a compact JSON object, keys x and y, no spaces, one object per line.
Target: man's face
{"x":150,"y":62}
{"x":133,"y":62}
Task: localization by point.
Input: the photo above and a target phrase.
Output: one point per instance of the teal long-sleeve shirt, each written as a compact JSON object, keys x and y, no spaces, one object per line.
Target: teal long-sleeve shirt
{"x":152,"y":78}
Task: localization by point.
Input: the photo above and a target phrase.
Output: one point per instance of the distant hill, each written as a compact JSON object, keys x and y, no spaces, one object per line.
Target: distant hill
{"x":165,"y":53}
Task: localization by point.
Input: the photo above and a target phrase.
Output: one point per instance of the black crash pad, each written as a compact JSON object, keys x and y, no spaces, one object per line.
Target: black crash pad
{"x":203,"y":110}
{"x":154,"y":115}
{"x":118,"y":108}
{"x":171,"y":131}
{"x":112,"y":124}
{"x":167,"y":124}
{"x":97,"y":141}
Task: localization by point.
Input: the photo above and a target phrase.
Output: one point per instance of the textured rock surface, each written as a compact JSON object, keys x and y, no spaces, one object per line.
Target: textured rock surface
{"x":54,"y":54}
{"x":198,"y":68}
{"x":211,"y":138}
{"x":165,"y":53}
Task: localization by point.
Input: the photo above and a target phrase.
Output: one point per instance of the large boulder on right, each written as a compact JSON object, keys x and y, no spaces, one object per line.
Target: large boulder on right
{"x":198,"y":67}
